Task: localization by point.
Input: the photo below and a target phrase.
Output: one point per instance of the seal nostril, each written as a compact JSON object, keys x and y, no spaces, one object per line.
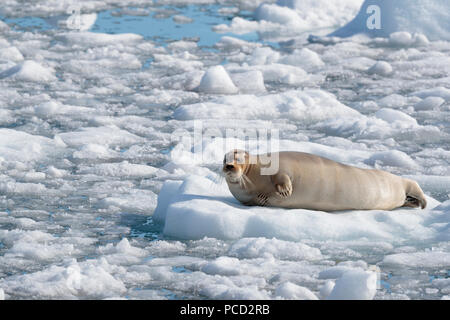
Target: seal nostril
{"x":229,"y":166}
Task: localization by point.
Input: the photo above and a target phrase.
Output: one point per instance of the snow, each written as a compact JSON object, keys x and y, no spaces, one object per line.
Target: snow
{"x":78,"y":21}
{"x":249,"y":82}
{"x":29,"y":71}
{"x":428,"y":259}
{"x":277,"y":14}
{"x":286,"y":18}
{"x":381,"y":68}
{"x":249,"y":248}
{"x":182,"y":19}
{"x":441,"y":92}
{"x":304,"y":58}
{"x":354,"y":285}
{"x":290,"y":290}
{"x":216,"y":80}
{"x":139,"y":201}
{"x":225,"y":266}
{"x":305,"y":106}
{"x":392,"y":158}
{"x":395,"y":116}
{"x":11,"y":54}
{"x":429,"y":103}
{"x":90,"y":39}
{"x":70,"y":280}
{"x":326,"y":289}
{"x":122,"y":169}
{"x":401,"y":39}
{"x":21,"y":146}
{"x":107,"y":135}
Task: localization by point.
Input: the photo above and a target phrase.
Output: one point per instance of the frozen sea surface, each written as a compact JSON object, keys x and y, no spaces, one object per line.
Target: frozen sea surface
{"x":107,"y":192}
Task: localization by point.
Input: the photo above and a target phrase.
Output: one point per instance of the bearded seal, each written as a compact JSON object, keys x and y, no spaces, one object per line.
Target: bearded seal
{"x":307,"y":181}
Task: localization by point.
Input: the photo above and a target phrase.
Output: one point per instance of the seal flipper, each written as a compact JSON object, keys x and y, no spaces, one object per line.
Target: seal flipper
{"x":414,"y":195}
{"x":411,"y":202}
{"x":283,"y":185}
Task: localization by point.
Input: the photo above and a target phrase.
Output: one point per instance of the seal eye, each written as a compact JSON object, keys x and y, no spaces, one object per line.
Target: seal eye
{"x":229,"y":167}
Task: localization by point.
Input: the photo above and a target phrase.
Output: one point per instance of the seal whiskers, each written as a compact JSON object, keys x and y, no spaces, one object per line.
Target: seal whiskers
{"x":246,"y":180}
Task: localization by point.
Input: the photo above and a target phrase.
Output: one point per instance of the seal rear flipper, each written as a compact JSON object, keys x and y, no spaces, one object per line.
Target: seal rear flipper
{"x":414,"y":195}
{"x":413,"y":202}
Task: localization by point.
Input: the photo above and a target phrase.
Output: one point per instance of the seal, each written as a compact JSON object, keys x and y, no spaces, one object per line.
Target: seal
{"x":307,"y":181}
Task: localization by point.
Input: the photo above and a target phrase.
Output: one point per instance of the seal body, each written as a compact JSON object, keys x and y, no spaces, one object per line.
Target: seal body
{"x":312,"y":182}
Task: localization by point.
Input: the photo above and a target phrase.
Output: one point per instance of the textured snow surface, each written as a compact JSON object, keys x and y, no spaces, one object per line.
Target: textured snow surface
{"x":401,"y":18}
{"x":107,"y":190}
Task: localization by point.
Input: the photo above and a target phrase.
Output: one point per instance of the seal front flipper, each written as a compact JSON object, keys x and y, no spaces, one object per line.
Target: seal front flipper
{"x":283,"y":184}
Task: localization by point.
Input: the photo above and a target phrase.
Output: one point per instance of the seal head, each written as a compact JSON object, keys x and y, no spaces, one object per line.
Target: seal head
{"x":235,"y":165}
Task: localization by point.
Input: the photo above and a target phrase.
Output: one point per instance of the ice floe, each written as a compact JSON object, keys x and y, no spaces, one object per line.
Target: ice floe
{"x":305,"y":106}
{"x":403,"y":16}
{"x":216,"y":80}
{"x":29,"y":71}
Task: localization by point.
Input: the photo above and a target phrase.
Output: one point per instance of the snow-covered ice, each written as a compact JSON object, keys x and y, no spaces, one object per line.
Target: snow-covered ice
{"x":29,"y":71}
{"x":108,"y":192}
{"x":202,"y":208}
{"x":216,"y":80}
{"x":400,"y":18}
{"x":381,"y":68}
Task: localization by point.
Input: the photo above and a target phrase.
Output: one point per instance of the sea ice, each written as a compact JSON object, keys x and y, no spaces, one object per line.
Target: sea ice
{"x":427,"y":259}
{"x":412,"y":16}
{"x":11,"y":54}
{"x":91,"y":39}
{"x":202,"y":208}
{"x":225,"y":266}
{"x":306,"y":106}
{"x":287,"y":18}
{"x":122,"y":169}
{"x":249,"y":82}
{"x":90,"y":278}
{"x":21,"y":146}
{"x":392,"y":158}
{"x":290,"y":290}
{"x":304,"y":58}
{"x":381,"y":68}
{"x":326,"y":289}
{"x":87,"y":149}
{"x":107,"y":135}
{"x":182,"y":19}
{"x":429,"y":103}
{"x":355,"y":285}
{"x":395,"y":116}
{"x":441,"y":92}
{"x":259,"y":247}
{"x":80,"y":22}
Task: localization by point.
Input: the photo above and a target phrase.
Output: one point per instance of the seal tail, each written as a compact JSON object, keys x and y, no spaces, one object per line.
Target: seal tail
{"x":414,"y":195}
